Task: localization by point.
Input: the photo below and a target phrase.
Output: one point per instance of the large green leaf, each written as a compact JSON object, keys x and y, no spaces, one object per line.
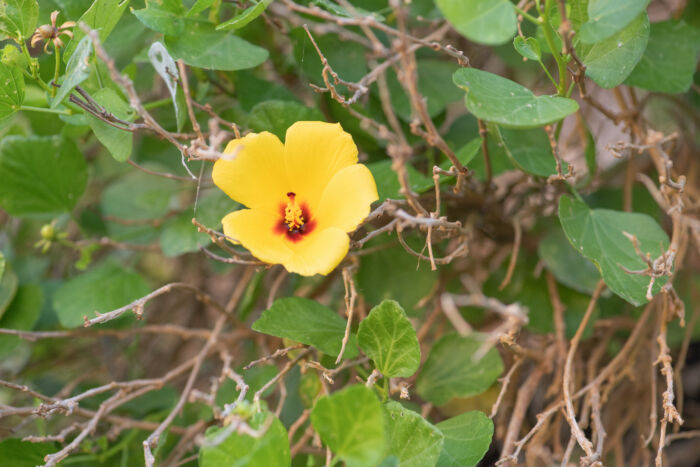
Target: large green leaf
{"x":242,"y":450}
{"x":388,"y":338}
{"x":99,"y":290}
{"x":202,"y":46}
{"x":388,"y":185}
{"x":413,"y":440}
{"x":18,"y":18}
{"x":11,"y":91}
{"x":530,"y":150}
{"x":598,"y":235}
{"x":496,"y":99}
{"x":489,"y":22}
{"x":609,"y":62}
{"x":467,"y":438}
{"x":77,"y":70}
{"x":102,"y":16}
{"x":606,"y":17}
{"x":566,"y":264}
{"x":18,"y":453}
{"x":118,"y":142}
{"x":40,"y":175}
{"x":138,"y":196}
{"x":161,"y":20}
{"x":670,"y":59}
{"x":8,"y":288}
{"x":351,"y":423}
{"x":22,"y":314}
{"x":308,"y":322}
{"x":180,"y":236}
{"x":451,"y":370}
{"x":276,"y":116}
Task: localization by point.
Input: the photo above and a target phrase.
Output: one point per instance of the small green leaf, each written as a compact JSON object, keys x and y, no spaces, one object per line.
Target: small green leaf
{"x":609,"y":62}
{"x":41,"y":176}
{"x":11,"y":91}
{"x":388,"y":338}
{"x":530,"y":150}
{"x":101,"y":289}
{"x":118,"y":142}
{"x":451,"y":370}
{"x":338,"y":10}
{"x":412,"y":439}
{"x":496,"y":99}
{"x":276,"y":116}
{"x":388,"y":185}
{"x":18,"y":453}
{"x":102,"y":16}
{"x":138,"y":196}
{"x":18,"y":18}
{"x":244,"y":17}
{"x":467,"y":438}
{"x":239,"y":449}
{"x":22,"y":315}
{"x":598,"y":235}
{"x":202,"y":46}
{"x":670,"y":59}
{"x":77,"y":71}
{"x":528,"y":48}
{"x":8,"y":288}
{"x":180,"y":236}
{"x":351,"y":423}
{"x":566,"y":264}
{"x":606,"y":17}
{"x":308,"y":322}
{"x":490,"y":22}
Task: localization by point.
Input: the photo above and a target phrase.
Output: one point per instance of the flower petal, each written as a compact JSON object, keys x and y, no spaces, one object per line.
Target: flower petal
{"x":255,"y":176}
{"x":255,"y":230}
{"x":346,"y":200}
{"x":319,"y":252}
{"x":313,"y":153}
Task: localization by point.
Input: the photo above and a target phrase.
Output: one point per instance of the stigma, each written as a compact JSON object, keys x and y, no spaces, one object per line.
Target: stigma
{"x":293,"y":214}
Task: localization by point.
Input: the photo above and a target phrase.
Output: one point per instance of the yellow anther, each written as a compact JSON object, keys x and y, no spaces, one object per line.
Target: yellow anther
{"x":293,"y":215}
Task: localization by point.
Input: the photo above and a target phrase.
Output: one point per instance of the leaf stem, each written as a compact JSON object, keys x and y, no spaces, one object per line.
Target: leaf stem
{"x":527,"y":15}
{"x":57,"y":70}
{"x":549,"y":37}
{"x":158,"y":103}
{"x":47,"y":110}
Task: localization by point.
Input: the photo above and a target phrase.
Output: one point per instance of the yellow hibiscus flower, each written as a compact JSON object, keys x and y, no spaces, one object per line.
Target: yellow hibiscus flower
{"x":303,"y":196}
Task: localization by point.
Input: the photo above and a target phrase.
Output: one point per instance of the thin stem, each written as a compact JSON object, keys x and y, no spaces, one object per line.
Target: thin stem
{"x":57,"y":70}
{"x":47,"y":110}
{"x":527,"y":15}
{"x":549,"y":37}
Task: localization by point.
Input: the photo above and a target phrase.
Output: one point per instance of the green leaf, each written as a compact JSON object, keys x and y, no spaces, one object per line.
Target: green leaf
{"x":3,"y":264}
{"x":276,"y":116}
{"x":467,"y":438}
{"x":22,"y":314}
{"x":180,"y":236}
{"x":202,"y":46}
{"x":101,"y":289}
{"x":245,"y":17}
{"x":496,"y":99}
{"x":160,"y":20}
{"x":18,"y":453}
{"x":388,"y":338}
{"x":351,"y":423}
{"x":490,"y":22}
{"x":451,"y":370}
{"x":138,"y":196}
{"x":11,"y":91}
{"x":528,"y":48}
{"x":606,"y":17}
{"x":670,"y":59}
{"x":308,"y":322}
{"x":40,"y":175}
{"x":392,"y":273}
{"x":102,"y":16}
{"x":412,"y":439}
{"x":530,"y":150}
{"x":77,"y":71}
{"x":18,"y":18}
{"x":118,"y":142}
{"x":338,"y":10}
{"x":8,"y":288}
{"x":598,"y":235}
{"x":346,"y":57}
{"x":198,"y":7}
{"x":609,"y":62}
{"x":240,"y":450}
{"x":566,"y":264}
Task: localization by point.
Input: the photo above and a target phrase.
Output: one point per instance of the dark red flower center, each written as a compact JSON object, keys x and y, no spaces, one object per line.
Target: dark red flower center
{"x":296,"y":220}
